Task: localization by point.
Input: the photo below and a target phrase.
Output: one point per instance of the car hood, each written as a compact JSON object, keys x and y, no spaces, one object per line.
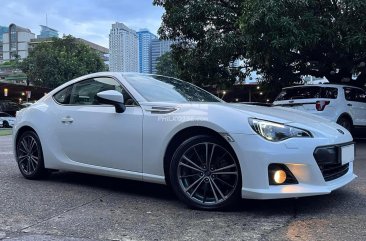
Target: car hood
{"x":279,"y":114}
{"x":276,"y":114}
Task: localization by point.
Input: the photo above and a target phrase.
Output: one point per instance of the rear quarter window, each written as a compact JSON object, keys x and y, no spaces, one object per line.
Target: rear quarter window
{"x":63,"y":96}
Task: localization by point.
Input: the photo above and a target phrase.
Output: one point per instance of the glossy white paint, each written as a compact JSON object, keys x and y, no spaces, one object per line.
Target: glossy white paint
{"x":111,"y":95}
{"x":95,"y":139}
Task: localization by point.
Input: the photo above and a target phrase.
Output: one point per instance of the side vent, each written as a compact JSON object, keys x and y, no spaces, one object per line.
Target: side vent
{"x":161,"y":110}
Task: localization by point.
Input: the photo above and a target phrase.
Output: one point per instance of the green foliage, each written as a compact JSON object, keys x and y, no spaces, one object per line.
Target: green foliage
{"x":53,"y":63}
{"x":281,"y":39}
{"x":288,"y":38}
{"x":167,"y":66}
{"x":207,"y":38}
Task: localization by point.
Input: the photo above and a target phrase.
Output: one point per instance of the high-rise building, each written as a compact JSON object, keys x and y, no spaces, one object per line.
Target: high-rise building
{"x":16,"y":42}
{"x":145,"y":38}
{"x":47,"y":32}
{"x":158,"y":48}
{"x":123,"y":49}
{"x":2,"y":31}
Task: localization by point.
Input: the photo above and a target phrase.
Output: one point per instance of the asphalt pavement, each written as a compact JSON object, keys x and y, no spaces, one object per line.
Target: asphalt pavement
{"x":78,"y":207}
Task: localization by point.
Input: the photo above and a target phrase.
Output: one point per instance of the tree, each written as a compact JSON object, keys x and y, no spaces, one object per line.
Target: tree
{"x":283,"y":40}
{"x":167,"y":66}
{"x":207,"y":38}
{"x":286,"y":39}
{"x":53,"y":63}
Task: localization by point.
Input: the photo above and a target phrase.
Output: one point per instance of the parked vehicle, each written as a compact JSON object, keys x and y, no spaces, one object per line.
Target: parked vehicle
{"x":163,"y":130}
{"x":345,"y":105}
{"x":256,"y":103}
{"x":26,"y":104}
{"x":9,"y":107}
{"x":6,"y":120}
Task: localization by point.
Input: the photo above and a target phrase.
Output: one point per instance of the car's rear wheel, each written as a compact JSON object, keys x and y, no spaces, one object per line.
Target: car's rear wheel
{"x":205,"y":174}
{"x":345,"y":122}
{"x":29,"y":156}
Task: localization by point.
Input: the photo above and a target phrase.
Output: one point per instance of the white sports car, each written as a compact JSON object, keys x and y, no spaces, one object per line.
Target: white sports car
{"x":163,"y":130}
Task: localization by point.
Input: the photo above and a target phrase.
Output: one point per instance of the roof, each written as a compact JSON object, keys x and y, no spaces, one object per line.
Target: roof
{"x":321,"y":85}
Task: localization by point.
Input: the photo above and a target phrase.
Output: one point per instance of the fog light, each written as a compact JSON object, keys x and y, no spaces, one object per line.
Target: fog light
{"x":279,"y":176}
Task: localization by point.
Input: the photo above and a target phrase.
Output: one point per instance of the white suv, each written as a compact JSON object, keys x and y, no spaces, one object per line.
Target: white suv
{"x":345,"y":105}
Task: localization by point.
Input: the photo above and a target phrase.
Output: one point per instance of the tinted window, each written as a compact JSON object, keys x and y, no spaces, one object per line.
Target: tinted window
{"x":85,"y":92}
{"x":63,"y":96}
{"x":308,"y":92}
{"x":354,"y":94}
{"x":166,"y":89}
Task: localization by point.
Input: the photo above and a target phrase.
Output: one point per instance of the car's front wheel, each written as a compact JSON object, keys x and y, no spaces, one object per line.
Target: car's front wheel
{"x":6,"y":124}
{"x":205,"y":174}
{"x":29,"y":156}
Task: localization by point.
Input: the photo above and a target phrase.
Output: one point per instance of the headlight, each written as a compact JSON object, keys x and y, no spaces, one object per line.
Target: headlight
{"x":273,"y":131}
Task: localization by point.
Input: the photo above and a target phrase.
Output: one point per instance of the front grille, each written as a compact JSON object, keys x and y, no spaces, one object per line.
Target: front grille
{"x":329,"y":161}
{"x":333,"y":171}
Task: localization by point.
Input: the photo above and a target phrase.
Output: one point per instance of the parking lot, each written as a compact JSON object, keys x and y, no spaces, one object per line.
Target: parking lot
{"x":71,"y":206}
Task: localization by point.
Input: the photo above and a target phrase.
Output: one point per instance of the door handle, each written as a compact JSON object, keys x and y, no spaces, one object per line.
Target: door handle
{"x":67,"y":120}
{"x":349,"y":104}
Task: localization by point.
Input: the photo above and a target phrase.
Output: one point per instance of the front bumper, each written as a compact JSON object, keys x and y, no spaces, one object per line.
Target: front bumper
{"x":255,"y":154}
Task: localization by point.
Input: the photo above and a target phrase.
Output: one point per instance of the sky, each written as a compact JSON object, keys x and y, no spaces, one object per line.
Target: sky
{"x":87,"y":19}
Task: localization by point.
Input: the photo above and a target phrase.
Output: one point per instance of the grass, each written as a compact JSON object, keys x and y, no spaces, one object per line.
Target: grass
{"x":5,"y":132}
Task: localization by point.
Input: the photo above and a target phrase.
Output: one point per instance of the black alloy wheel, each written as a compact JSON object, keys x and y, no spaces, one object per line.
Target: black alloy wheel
{"x":29,"y":156}
{"x":205,"y":174}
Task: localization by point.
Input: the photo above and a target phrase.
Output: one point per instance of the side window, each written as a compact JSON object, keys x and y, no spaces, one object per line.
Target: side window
{"x":330,"y":93}
{"x":360,"y":95}
{"x":349,"y":94}
{"x":63,"y":96}
{"x":85,"y":92}
{"x":353,"y":94}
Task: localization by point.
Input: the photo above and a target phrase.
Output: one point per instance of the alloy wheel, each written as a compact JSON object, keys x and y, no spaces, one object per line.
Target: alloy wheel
{"x":29,"y":156}
{"x":207,"y":173}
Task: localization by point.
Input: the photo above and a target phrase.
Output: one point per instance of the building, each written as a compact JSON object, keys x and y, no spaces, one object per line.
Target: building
{"x":158,"y":48}
{"x":123,"y":49}
{"x":16,"y":42}
{"x":2,"y":31}
{"x":103,"y":52}
{"x":47,"y":32}
{"x":145,"y":38}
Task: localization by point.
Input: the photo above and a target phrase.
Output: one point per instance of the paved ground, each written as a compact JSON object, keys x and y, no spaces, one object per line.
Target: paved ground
{"x":76,"y":207}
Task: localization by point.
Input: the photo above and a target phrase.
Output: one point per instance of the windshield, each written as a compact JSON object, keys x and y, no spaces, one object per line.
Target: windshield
{"x":166,"y":89}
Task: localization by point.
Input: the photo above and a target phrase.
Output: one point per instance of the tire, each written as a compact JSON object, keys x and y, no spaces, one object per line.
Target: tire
{"x":29,"y":156}
{"x":205,"y":174}
{"x":6,"y":124}
{"x":345,"y":122}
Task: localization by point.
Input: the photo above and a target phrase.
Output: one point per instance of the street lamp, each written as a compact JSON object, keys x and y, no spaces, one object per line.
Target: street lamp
{"x":6,"y":92}
{"x":223,"y":94}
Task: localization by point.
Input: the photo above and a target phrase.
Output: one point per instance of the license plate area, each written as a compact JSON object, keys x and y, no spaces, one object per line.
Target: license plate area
{"x":347,"y":153}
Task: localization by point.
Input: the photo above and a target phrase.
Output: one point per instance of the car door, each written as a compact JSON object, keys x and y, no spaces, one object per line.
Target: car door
{"x":94,"y":134}
{"x":356,"y":100}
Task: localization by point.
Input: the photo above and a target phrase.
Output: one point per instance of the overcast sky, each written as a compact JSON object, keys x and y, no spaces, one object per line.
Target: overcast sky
{"x":88,"y":19}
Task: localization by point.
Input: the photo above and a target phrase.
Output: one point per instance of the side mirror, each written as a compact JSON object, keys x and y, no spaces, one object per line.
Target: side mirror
{"x":112,"y":97}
